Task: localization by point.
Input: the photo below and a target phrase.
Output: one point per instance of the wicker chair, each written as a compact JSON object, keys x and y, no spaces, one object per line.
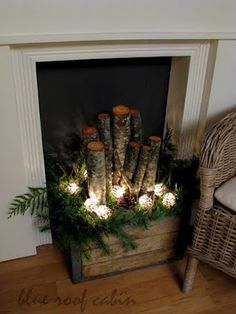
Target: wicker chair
{"x":214,"y":240}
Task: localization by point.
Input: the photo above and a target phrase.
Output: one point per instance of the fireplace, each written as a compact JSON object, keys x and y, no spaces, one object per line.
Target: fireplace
{"x":185,"y":107}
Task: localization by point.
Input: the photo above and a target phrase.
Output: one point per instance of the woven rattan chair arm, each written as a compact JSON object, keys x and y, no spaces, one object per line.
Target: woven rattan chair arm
{"x":217,"y":140}
{"x":207,"y":187}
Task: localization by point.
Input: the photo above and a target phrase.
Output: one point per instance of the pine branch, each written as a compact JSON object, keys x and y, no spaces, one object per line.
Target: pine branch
{"x":167,"y":145}
{"x":44,"y":221}
{"x":35,"y":200}
{"x":126,"y":240}
{"x":102,"y":245}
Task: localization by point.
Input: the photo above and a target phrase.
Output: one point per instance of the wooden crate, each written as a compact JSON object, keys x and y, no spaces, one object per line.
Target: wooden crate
{"x":154,"y":246}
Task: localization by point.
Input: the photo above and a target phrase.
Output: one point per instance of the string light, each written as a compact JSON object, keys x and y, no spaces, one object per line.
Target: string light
{"x":90,"y":204}
{"x":169,"y":200}
{"x":73,"y":187}
{"x":159,"y":189}
{"x":103,"y":211}
{"x":118,"y":191}
{"x":145,"y":201}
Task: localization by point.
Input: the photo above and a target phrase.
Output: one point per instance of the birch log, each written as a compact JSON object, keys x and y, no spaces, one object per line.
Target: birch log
{"x":104,"y":127}
{"x":151,"y":170}
{"x":120,"y":171}
{"x":136,"y":125}
{"x":96,"y":171}
{"x":89,"y":134}
{"x":141,"y":168}
{"x":121,"y":135}
{"x":131,"y":159}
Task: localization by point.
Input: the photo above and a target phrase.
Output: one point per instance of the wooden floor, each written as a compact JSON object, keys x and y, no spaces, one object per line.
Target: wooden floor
{"x":40,"y":284}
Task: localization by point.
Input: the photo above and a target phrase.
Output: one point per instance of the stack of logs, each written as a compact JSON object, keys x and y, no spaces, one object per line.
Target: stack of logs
{"x":115,"y":154}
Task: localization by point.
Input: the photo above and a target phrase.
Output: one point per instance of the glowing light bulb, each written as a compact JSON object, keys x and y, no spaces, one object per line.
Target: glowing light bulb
{"x":145,"y":201}
{"x":85,"y":174}
{"x":169,"y":200}
{"x":90,"y":204}
{"x":159,"y":189}
{"x":118,"y":191}
{"x":103,"y":211}
{"x":73,"y":187}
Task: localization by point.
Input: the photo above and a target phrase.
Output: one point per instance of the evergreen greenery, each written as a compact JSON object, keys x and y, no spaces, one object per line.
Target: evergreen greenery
{"x":35,"y":200}
{"x":68,"y":219}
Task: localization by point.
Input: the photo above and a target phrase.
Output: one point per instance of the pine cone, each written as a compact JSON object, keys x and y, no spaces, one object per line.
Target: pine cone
{"x":127,"y":201}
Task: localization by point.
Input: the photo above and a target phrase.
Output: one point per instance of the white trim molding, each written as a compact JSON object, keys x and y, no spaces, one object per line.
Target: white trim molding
{"x":12,"y":39}
{"x":24,"y":61}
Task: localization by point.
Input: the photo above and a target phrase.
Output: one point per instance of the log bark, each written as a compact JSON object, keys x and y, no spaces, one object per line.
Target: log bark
{"x":96,"y":171}
{"x":131,"y":160}
{"x":89,"y":134}
{"x":151,"y":170}
{"x":121,"y":173}
{"x":136,"y":125}
{"x":141,"y":168}
{"x":104,"y":127}
{"x":121,"y":135}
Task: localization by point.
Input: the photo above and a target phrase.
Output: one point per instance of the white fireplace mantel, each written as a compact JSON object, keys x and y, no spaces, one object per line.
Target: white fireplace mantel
{"x":24,"y":21}
{"x":24,"y":61}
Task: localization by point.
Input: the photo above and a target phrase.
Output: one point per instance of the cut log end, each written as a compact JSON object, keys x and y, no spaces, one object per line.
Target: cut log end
{"x":135,"y":144}
{"x":120,"y":110}
{"x":103,"y":116}
{"x":134,"y":112}
{"x":96,"y":146}
{"x":89,"y":130}
{"x":146,"y":148}
{"x":154,"y":138}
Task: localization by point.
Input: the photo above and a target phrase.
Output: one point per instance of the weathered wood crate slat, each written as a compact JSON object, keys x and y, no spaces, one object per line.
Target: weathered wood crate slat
{"x":154,"y":245}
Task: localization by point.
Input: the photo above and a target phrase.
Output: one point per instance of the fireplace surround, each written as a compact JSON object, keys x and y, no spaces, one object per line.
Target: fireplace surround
{"x":185,"y":105}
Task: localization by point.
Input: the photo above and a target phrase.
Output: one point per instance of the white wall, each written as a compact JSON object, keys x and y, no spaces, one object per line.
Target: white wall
{"x":33,"y":17}
{"x":223,"y":90}
{"x":17,"y":234}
